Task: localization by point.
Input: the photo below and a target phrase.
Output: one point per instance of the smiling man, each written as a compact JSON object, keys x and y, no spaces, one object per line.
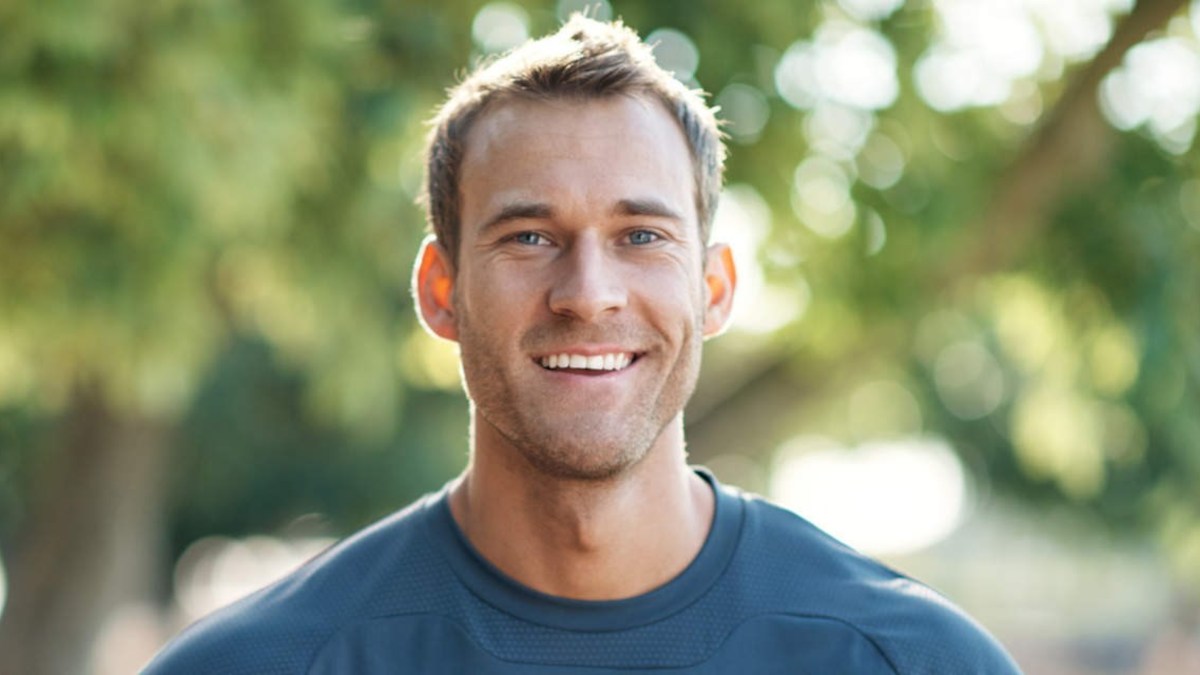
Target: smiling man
{"x":571,"y":186}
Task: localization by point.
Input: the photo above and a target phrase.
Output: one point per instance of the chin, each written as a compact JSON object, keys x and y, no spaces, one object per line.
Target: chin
{"x":582,"y":464}
{"x":563,"y":454}
{"x":596,"y":446}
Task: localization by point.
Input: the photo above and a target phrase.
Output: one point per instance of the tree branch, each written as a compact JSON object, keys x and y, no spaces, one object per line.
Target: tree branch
{"x":1068,"y":151}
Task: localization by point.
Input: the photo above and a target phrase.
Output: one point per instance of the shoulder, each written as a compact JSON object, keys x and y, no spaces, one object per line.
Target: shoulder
{"x":253,"y":635}
{"x":806,"y":572}
{"x":280,"y":628}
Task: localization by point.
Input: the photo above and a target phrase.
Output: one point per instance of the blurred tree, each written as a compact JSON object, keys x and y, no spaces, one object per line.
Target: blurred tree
{"x":173,"y":176}
{"x":206,"y":225}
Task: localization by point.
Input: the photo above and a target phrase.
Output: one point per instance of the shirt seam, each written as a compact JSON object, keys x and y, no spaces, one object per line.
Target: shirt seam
{"x":463,"y":629}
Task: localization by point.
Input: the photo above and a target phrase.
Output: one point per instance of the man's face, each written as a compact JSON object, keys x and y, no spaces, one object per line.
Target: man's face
{"x":579,"y":300}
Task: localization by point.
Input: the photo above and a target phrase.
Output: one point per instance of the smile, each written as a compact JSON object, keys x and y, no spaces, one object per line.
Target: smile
{"x":611,"y":361}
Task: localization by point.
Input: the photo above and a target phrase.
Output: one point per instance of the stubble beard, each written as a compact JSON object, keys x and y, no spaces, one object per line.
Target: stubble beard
{"x":566,"y":445}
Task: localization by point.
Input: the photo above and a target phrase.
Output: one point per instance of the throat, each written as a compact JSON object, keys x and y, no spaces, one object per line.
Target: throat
{"x":589,"y":542}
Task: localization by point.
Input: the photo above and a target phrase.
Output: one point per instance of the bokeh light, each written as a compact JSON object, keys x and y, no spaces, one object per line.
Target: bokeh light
{"x":675,"y":52}
{"x":950,"y":79}
{"x":881,"y":162}
{"x":882,"y":497}
{"x":1057,"y":434}
{"x":837,"y":131}
{"x":1157,"y":86}
{"x":216,"y":571}
{"x":844,"y":63}
{"x":1029,"y":323}
{"x":821,"y":197}
{"x":969,"y":379}
{"x":876,"y":231}
{"x":870,"y":10}
{"x":499,"y":26}
{"x":986,"y":48}
{"x":746,"y":110}
{"x":597,"y":9}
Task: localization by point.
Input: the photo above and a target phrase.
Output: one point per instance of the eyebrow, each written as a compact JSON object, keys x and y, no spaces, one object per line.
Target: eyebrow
{"x":646,"y":207}
{"x":643,"y":206}
{"x":518,"y":211}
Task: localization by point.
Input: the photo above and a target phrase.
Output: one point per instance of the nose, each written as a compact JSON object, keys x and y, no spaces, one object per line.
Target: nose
{"x":589,"y":283}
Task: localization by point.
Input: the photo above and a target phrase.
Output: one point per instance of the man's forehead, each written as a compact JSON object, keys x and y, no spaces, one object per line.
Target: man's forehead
{"x":612,"y":128}
{"x":507,"y":116}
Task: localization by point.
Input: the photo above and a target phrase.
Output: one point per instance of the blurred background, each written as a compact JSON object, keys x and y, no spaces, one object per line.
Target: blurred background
{"x":967,"y":337}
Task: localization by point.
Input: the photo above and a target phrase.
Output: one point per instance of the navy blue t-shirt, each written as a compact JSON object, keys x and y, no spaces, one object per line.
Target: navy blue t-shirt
{"x":768,"y":593}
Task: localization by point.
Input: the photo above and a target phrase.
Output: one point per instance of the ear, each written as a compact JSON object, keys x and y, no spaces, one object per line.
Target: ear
{"x":433,"y":289}
{"x":720,"y":280}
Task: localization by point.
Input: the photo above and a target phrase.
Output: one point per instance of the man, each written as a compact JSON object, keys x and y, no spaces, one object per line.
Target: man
{"x":571,"y":186}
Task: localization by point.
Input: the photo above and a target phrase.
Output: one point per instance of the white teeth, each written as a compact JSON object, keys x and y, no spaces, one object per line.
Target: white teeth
{"x":618,"y":361}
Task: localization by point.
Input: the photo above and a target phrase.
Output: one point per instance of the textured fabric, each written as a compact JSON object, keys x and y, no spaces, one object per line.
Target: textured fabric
{"x":768,"y":593}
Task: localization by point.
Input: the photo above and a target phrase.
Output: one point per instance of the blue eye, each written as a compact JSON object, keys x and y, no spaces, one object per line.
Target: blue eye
{"x":530,"y":238}
{"x":641,"y":237}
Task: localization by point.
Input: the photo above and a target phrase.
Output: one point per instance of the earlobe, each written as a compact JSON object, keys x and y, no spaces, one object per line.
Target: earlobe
{"x":433,"y":290}
{"x":720,"y":278}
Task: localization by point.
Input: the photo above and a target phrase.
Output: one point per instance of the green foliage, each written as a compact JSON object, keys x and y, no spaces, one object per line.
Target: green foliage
{"x":251,"y":460}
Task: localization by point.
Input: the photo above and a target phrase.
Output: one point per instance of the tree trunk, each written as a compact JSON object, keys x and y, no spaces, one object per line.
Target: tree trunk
{"x":93,"y":541}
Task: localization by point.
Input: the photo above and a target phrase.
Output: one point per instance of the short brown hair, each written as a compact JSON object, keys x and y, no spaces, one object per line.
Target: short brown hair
{"x":585,"y":59}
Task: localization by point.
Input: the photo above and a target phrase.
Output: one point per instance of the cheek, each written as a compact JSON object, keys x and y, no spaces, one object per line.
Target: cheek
{"x":492,"y":302}
{"x":674,"y":298}
{"x":681,"y":279}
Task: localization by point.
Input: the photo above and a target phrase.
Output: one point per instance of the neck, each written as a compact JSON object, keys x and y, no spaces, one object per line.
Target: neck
{"x":584,"y":539}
